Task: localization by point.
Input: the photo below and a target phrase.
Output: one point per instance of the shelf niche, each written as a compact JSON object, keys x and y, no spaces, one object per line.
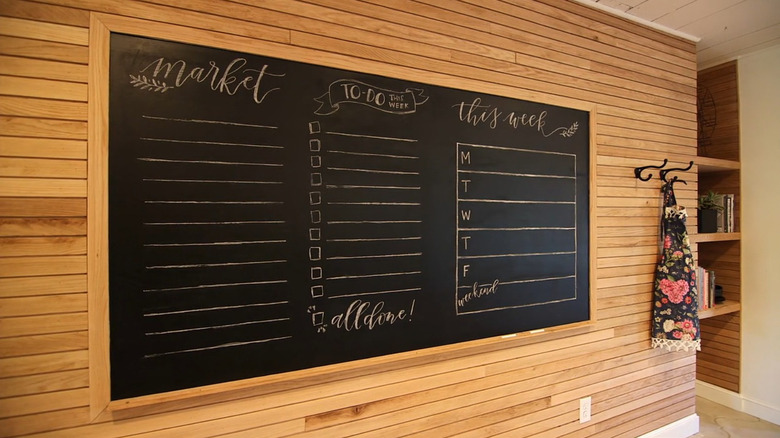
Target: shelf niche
{"x":719,"y":170}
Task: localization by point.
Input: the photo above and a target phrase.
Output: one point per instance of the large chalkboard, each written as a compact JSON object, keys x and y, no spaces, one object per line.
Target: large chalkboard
{"x":268,"y":215}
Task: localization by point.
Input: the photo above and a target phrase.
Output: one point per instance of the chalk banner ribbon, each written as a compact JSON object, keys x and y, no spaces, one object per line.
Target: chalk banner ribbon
{"x":389,"y":101}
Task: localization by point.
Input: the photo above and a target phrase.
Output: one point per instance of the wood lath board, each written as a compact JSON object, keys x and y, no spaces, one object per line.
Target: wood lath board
{"x":642,"y":81}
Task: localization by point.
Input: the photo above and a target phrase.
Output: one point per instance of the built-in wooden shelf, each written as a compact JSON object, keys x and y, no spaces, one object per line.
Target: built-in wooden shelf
{"x":719,"y":170}
{"x":707,"y":164}
{"x":721,"y":309}
{"x":714,"y":237}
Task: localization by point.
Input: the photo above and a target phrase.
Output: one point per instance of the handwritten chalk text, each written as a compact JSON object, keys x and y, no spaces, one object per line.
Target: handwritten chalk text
{"x":475,"y":114}
{"x":366,"y":315}
{"x":235,"y":76}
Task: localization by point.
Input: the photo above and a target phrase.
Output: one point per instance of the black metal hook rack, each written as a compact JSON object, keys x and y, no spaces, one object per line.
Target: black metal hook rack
{"x":662,"y":172}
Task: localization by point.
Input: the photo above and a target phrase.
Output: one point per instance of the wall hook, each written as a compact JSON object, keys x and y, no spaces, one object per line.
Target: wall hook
{"x":638,"y":171}
{"x":666,"y":171}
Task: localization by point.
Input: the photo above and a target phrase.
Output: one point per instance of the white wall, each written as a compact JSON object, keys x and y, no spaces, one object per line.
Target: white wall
{"x":759,"y":106}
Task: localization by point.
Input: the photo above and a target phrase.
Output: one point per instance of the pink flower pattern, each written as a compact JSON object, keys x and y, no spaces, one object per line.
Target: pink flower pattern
{"x":674,"y":290}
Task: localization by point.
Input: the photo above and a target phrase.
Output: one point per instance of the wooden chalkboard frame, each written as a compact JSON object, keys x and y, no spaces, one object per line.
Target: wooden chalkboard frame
{"x":101,"y":27}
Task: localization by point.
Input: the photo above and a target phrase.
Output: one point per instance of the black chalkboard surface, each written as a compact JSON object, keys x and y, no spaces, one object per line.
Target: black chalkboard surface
{"x":268,"y":216}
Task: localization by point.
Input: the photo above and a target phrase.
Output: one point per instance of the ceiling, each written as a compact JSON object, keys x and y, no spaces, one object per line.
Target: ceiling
{"x":726,"y":29}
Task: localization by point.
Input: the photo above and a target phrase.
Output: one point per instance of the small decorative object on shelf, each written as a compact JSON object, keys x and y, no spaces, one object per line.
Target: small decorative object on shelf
{"x":710,"y":204}
{"x":719,"y":298}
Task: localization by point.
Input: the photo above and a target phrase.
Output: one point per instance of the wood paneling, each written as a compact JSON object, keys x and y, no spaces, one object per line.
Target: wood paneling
{"x":642,"y":81}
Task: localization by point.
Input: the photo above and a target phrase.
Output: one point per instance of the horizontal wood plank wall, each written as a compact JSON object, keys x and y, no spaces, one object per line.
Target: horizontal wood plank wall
{"x":642,"y":81}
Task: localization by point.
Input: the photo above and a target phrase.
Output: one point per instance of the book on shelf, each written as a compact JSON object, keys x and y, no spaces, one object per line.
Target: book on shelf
{"x":728,"y":213}
{"x":725,"y":218}
{"x":705,"y":285}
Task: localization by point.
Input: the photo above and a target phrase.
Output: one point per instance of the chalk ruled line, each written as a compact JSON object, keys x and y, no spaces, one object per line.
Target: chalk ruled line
{"x":516,"y":174}
{"x":528,"y":254}
{"x":375,"y":239}
{"x":503,"y":148}
{"x":211,"y":162}
{"x":374,"y":171}
{"x":216,"y":286}
{"x":517,"y":229}
{"x":372,"y":154}
{"x":384,"y":204}
{"x":379,"y":292}
{"x":216,"y":223}
{"x":377,"y":256}
{"x":533,"y":280}
{"x":210,"y":181}
{"x":375,"y":137}
{"x":210,"y":122}
{"x":375,"y":222}
{"x":370,"y":187}
{"x":386,"y":274}
{"x":504,"y":201}
{"x":216,"y":265}
{"x":211,"y":309}
{"x":212,"y":143}
{"x":214,"y":347}
{"x":518,"y":306}
{"x":218,"y":202}
{"x":226,"y":243}
{"x":215,"y":327}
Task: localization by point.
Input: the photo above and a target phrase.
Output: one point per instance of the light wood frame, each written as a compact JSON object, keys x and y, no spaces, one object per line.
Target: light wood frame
{"x":101,"y":26}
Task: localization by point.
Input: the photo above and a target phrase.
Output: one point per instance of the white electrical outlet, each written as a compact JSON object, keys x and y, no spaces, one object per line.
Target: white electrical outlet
{"x":584,"y":410}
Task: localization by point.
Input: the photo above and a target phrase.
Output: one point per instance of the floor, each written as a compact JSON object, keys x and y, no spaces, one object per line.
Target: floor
{"x":718,"y":421}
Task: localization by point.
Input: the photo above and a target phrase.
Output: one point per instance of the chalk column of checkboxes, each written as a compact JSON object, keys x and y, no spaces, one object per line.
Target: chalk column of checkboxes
{"x":315,"y":229}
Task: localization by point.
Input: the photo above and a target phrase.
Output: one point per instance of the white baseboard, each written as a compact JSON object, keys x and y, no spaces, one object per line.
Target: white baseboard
{"x":738,"y":402}
{"x":682,"y":428}
{"x":719,"y":395}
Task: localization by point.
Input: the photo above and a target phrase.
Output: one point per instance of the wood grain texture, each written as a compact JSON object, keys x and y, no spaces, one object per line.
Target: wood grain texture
{"x":43,"y":188}
{"x":54,"y":51}
{"x":38,"y":305}
{"x":32,"y":87}
{"x":43,"y":148}
{"x":642,"y":82}
{"x":43,"y":31}
{"x":35,"y":225}
{"x":42,"y":108}
{"x":45,"y":13}
{"x":43,"y":364}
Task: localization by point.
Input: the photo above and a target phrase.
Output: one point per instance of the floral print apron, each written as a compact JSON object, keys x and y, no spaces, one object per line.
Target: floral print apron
{"x":675,"y":308}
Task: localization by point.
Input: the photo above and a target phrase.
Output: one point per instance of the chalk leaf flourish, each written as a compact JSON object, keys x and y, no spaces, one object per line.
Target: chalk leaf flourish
{"x":154,"y":85}
{"x":571,"y":131}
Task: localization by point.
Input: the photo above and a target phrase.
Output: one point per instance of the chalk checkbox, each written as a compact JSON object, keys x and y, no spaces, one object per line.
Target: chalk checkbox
{"x":315,"y":198}
{"x":315,"y":253}
{"x":317,"y":291}
{"x":316,"y":272}
{"x":314,"y":127}
{"x":316,"y":217}
{"x":316,"y":161}
{"x":316,"y":179}
{"x":315,"y":145}
{"x":314,"y":233}
{"x":317,"y":318}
